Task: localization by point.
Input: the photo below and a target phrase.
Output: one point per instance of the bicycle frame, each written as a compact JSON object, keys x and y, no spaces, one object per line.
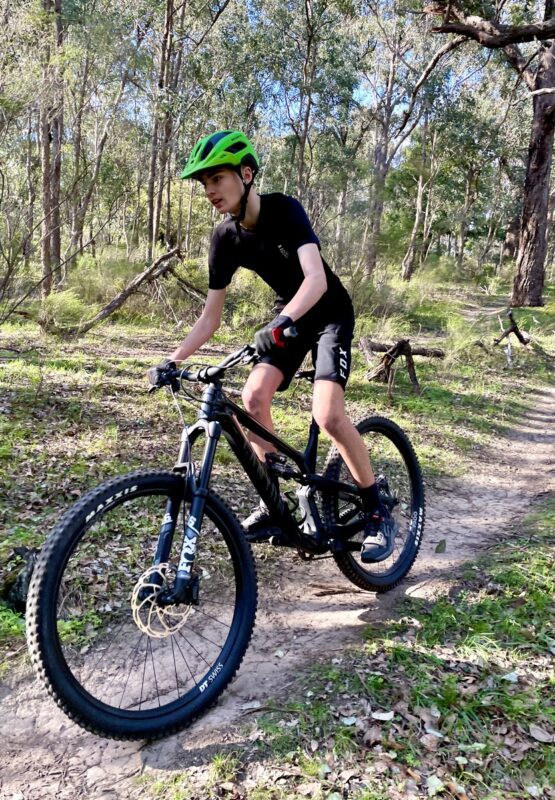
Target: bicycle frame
{"x":219,"y":415}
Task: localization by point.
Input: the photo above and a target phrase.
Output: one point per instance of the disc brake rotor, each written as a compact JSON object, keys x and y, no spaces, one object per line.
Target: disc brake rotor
{"x":156,"y":620}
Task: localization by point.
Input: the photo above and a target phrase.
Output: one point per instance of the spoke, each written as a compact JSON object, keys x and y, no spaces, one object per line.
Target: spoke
{"x":110,"y":670}
{"x":134,"y":653}
{"x":143,"y":679}
{"x":202,"y":636}
{"x":186,"y":663}
{"x":175,"y":669}
{"x":206,"y":614}
{"x":106,"y":646}
{"x":199,"y":654}
{"x":154,"y":671}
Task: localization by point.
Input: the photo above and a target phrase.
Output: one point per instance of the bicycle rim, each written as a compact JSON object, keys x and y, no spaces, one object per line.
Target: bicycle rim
{"x":400,"y":481}
{"x":115,"y":661}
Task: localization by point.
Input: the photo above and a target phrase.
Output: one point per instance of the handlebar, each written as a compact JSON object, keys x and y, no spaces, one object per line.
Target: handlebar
{"x":246,"y":355}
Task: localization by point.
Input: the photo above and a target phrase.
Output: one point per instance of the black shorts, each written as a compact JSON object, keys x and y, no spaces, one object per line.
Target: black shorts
{"x":331,"y":353}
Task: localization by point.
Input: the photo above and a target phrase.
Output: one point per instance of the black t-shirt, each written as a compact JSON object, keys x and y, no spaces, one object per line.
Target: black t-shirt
{"x":270,"y":250}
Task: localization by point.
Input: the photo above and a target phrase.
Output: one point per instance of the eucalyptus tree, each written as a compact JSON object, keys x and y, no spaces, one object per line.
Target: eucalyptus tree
{"x":307,"y":55}
{"x":105,"y":53}
{"x":397,"y":87}
{"x":189,"y":28}
{"x":505,"y":26}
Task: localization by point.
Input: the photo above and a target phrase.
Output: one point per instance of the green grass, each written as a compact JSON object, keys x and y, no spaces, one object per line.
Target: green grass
{"x":468,"y":678}
{"x":77,"y":413}
{"x":11,"y":624}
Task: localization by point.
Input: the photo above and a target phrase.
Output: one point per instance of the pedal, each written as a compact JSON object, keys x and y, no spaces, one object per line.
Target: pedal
{"x":265,"y":535}
{"x":281,"y":539}
{"x":275,"y":458}
{"x":277,"y":464}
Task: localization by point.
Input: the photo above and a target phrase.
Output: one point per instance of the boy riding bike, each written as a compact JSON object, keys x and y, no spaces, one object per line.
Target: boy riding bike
{"x":272,"y":236}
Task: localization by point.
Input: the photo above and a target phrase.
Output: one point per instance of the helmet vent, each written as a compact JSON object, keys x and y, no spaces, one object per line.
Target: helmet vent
{"x":207,"y":148}
{"x":236,"y":147}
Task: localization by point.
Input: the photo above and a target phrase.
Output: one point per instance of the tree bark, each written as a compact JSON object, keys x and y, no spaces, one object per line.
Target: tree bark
{"x":77,"y":218}
{"x":57,"y":129}
{"x":309,"y":73}
{"x":165,"y":85}
{"x":512,"y":233}
{"x":375,"y":210}
{"x":46,"y":163}
{"x":415,"y":243}
{"x":530,"y":266}
{"x":409,"y":261}
{"x":27,"y":246}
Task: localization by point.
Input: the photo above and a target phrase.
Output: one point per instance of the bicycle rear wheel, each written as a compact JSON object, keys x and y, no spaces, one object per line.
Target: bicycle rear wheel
{"x":401,"y":486}
{"x":114,"y":660}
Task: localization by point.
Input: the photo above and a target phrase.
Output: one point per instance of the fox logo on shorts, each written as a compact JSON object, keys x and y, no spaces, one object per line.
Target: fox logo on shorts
{"x":343,"y":363}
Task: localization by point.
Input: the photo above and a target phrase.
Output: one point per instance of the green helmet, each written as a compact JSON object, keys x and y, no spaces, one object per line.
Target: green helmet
{"x":221,"y":149}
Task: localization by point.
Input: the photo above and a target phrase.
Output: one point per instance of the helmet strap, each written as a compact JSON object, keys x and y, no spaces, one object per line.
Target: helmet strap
{"x":243,"y":204}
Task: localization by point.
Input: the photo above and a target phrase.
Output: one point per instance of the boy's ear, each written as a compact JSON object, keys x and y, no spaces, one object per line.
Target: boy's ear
{"x":247,"y":173}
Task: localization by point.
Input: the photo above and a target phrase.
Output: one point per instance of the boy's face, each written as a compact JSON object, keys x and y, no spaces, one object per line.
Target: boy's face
{"x":224,"y":188}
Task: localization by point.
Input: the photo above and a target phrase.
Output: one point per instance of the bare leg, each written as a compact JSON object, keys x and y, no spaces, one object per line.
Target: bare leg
{"x":328,"y":409}
{"x":258,"y":394}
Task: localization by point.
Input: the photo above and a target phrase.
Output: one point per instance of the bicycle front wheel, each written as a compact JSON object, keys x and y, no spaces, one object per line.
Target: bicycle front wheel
{"x":116,"y":661}
{"x":401,"y":488}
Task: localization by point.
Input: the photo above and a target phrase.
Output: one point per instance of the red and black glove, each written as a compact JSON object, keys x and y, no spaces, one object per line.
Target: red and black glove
{"x":270,"y":337}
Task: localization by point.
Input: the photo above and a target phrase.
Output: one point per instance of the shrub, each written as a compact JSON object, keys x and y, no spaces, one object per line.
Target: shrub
{"x":66,"y":308}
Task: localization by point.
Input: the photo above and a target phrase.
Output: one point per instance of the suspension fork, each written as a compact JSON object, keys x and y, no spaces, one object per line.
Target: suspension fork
{"x":183,"y":589}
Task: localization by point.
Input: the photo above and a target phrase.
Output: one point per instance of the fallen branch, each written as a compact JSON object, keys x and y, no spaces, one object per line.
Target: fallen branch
{"x":513,"y":328}
{"x":383,"y":371}
{"x":151,"y":273}
{"x":368,"y":346}
{"x":187,"y":287}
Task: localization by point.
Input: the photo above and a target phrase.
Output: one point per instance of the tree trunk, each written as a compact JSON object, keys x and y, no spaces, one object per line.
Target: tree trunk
{"x":27,"y":246}
{"x":470,"y":195}
{"x":530,"y":265}
{"x":77,"y":216}
{"x":415,"y":243}
{"x":410,"y":259}
{"x":339,"y":244}
{"x":189,"y":219}
{"x":166,"y":125}
{"x":306,"y":101}
{"x":375,"y":211}
{"x":510,"y":245}
{"x":427,"y":242}
{"x":383,"y":151}
{"x":154,"y":198}
{"x":80,"y":211}
{"x":46,"y":165}
{"x":179,"y":233}
{"x":57,"y":129}
{"x":150,"y":189}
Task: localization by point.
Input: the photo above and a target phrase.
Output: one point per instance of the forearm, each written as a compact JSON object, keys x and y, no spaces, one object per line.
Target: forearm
{"x":307,"y":295}
{"x":200,"y":333}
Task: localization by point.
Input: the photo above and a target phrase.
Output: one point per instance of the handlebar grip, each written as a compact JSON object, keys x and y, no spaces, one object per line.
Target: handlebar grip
{"x":290,"y":332}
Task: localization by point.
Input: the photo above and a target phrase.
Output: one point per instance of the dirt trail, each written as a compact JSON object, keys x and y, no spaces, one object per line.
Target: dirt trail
{"x":308,"y":612}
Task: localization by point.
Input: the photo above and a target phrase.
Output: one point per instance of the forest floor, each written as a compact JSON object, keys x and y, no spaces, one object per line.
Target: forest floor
{"x":308,"y":614}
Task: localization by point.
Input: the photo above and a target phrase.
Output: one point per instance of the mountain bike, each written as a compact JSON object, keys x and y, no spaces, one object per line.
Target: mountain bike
{"x":143,"y":599}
